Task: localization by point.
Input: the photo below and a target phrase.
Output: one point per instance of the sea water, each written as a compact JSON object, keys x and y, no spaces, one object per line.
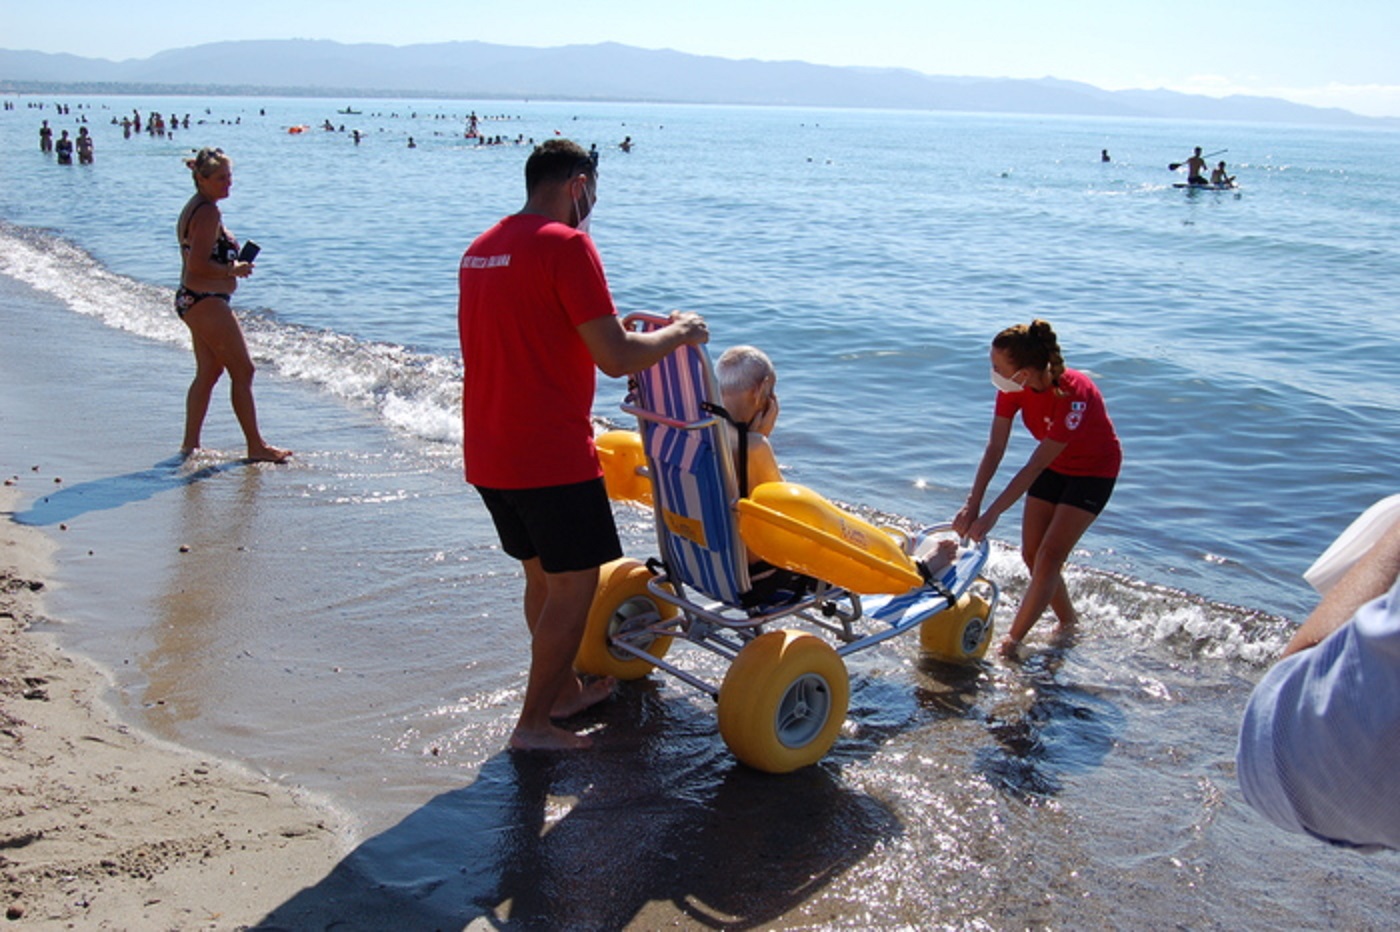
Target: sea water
{"x":1244,"y":342}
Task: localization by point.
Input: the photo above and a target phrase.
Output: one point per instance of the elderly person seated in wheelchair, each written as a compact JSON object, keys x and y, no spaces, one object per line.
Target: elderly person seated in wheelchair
{"x":747,"y":385}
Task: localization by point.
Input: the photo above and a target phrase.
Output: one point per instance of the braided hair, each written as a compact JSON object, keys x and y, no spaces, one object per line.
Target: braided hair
{"x":1032,"y":346}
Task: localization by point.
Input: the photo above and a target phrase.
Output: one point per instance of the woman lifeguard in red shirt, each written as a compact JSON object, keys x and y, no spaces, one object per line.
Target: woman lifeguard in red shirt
{"x":1067,"y":480}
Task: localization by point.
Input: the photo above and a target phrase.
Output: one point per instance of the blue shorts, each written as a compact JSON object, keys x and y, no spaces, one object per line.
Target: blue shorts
{"x":1090,"y":493}
{"x":568,"y":527}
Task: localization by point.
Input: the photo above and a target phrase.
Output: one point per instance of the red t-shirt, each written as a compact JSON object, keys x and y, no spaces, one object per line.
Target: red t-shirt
{"x":525,"y":286}
{"x":1076,"y":416}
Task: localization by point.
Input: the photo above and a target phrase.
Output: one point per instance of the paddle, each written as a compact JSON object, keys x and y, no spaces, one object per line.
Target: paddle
{"x":1173,"y":166}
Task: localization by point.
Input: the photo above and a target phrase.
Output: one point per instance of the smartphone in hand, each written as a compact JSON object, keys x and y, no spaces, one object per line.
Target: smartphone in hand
{"x":249,"y":252}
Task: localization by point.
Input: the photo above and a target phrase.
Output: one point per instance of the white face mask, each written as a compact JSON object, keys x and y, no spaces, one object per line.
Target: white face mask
{"x":585,"y":215}
{"x":1004,"y":384}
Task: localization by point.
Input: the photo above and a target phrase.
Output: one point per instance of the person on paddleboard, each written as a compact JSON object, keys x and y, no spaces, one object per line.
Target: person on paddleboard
{"x":1220,"y":177}
{"x":1196,"y":168}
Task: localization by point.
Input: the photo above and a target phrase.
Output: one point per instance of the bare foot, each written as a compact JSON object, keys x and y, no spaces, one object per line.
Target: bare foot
{"x":1064,"y":634}
{"x":944,"y":555}
{"x":1010,"y":648}
{"x":585,"y":697}
{"x":268,"y":454}
{"x":548,"y":739}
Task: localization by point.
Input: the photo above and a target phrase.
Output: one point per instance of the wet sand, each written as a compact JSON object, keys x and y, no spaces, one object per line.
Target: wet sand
{"x":104,"y":827}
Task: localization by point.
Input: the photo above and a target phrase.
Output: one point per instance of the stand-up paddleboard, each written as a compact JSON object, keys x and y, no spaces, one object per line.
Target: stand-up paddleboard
{"x":1360,"y":537}
{"x":1207,"y":187}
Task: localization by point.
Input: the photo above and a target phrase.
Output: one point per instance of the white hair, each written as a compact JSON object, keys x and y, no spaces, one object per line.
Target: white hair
{"x":742,"y":369}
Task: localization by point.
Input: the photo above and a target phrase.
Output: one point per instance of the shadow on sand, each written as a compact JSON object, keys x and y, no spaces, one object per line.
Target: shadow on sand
{"x":70,"y":501}
{"x":656,"y":813}
{"x":658,"y":825}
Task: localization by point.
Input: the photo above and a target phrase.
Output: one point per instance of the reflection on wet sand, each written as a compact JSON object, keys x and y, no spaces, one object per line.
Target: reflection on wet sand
{"x":659,"y":825}
{"x":206,"y":588}
{"x":1046,"y":731}
{"x":656,"y":817}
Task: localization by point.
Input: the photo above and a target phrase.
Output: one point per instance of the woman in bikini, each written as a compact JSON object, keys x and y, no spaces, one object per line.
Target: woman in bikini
{"x":209,"y":273}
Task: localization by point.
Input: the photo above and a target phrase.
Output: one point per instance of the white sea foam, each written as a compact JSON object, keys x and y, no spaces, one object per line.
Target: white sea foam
{"x":416,"y":393}
{"x":61,"y":269}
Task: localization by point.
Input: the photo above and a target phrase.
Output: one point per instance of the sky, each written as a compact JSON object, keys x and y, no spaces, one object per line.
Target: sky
{"x":1338,"y":53}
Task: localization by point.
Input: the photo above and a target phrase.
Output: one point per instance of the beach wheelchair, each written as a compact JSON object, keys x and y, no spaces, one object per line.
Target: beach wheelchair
{"x":848,"y":585}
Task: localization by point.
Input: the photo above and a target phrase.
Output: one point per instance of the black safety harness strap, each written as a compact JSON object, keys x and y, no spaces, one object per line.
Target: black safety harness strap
{"x":743,"y":429}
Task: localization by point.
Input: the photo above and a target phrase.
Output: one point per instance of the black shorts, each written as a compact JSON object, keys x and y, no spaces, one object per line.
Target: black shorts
{"x":1090,"y":493}
{"x":568,"y":527}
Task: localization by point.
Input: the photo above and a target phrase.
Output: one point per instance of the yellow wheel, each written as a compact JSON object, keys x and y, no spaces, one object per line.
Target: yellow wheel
{"x":783,"y":701}
{"x":621,"y":604}
{"x":959,"y":634}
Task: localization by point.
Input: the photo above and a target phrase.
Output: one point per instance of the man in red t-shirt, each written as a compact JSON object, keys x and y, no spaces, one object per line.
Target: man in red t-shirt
{"x":535,"y":318}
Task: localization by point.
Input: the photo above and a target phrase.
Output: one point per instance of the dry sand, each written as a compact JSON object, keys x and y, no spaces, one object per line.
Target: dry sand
{"x":102,"y":827}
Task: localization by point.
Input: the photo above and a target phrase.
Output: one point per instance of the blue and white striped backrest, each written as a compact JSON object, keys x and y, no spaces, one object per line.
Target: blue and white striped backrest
{"x":692,"y":471}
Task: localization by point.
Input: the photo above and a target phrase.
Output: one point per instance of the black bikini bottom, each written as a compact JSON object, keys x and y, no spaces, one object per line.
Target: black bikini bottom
{"x":186,"y":299}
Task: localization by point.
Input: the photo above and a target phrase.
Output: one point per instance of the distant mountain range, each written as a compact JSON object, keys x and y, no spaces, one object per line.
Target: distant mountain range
{"x":607,"y":71}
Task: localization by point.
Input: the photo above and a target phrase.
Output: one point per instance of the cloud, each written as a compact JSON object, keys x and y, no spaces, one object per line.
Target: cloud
{"x":1367,"y":99}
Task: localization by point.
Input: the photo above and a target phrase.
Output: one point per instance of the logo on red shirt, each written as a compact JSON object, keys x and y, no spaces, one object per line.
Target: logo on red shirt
{"x":1076,"y":414}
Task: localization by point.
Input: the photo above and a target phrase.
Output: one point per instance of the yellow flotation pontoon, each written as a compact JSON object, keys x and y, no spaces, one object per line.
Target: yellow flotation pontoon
{"x":624,"y":466}
{"x":791,"y":526}
{"x":786,"y":524}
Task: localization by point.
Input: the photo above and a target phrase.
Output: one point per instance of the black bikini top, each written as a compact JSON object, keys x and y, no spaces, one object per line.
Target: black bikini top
{"x":225,"y":249}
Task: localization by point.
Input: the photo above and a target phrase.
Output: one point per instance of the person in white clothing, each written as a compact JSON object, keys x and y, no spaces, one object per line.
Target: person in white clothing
{"x":1319,"y":746}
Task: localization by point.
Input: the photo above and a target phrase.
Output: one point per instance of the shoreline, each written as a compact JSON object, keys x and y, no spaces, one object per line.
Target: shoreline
{"x":104,"y":825}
